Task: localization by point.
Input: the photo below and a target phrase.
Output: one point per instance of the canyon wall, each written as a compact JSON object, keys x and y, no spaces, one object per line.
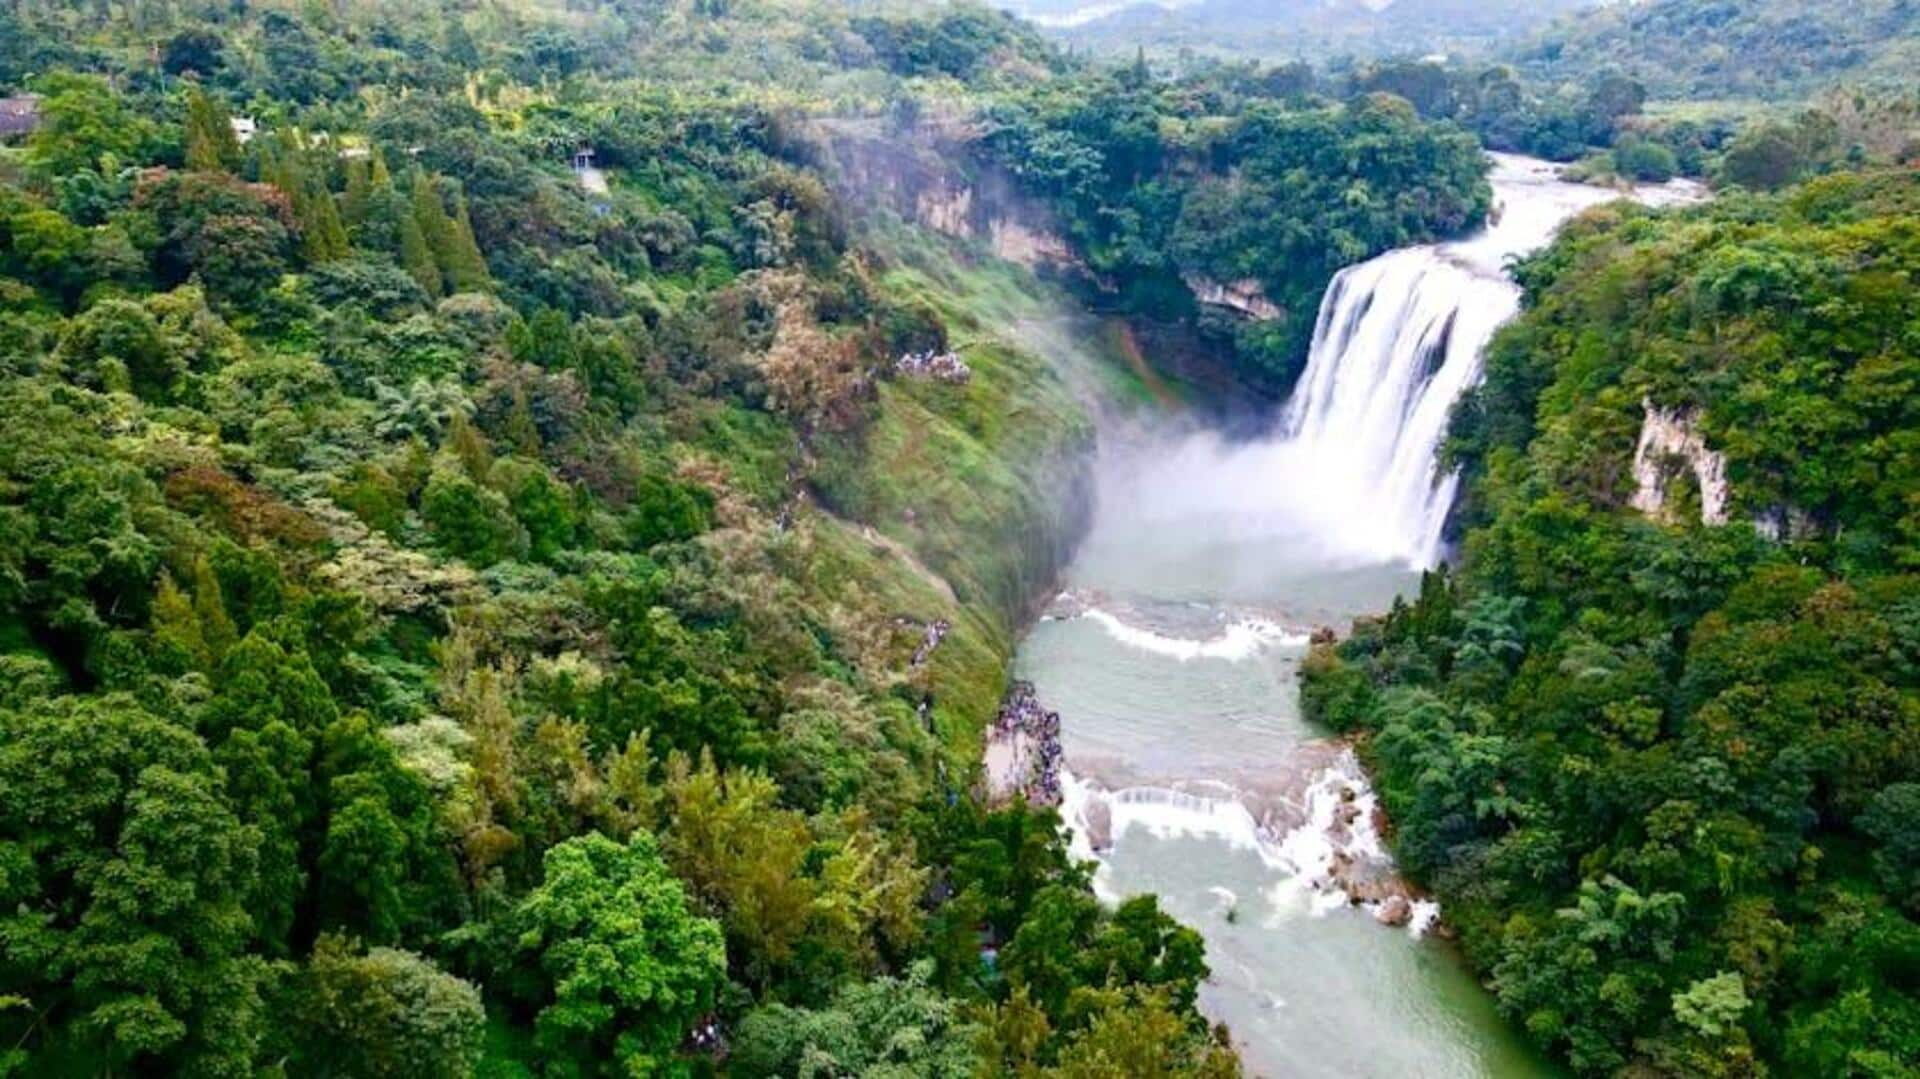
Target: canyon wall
{"x":1671,"y":445}
{"x":929,"y":174}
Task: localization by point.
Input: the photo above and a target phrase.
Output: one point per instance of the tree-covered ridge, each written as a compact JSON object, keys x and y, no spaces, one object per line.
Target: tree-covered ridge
{"x":1665,"y":772}
{"x":1756,"y":50}
{"x":808,"y":54}
{"x":438,"y":627}
{"x":1616,"y":135}
{"x":1117,"y":151}
{"x":1292,"y":29}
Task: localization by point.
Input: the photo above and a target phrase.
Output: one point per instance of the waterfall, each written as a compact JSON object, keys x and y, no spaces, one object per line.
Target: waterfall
{"x":1398,"y":340}
{"x":1346,"y":480}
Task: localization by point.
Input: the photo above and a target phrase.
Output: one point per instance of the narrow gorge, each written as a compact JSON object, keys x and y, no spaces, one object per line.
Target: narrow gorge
{"x":1171,"y":656}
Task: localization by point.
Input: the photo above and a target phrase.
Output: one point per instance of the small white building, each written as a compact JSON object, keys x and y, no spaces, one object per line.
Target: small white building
{"x":592,"y":180}
{"x":244,"y":128}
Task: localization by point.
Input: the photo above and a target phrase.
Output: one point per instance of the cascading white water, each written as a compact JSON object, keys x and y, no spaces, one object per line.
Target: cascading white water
{"x":1398,"y":340}
{"x":1347,"y":480}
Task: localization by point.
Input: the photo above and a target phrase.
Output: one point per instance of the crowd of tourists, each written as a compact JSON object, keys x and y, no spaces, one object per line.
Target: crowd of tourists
{"x":1022,"y":714}
{"x":938,"y":366}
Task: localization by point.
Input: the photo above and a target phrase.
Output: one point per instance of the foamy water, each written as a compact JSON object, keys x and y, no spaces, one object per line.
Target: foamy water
{"x":1338,"y":829}
{"x":1241,"y":640}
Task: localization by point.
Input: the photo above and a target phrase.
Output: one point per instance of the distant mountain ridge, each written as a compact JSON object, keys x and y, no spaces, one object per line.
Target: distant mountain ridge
{"x":1288,"y":28}
{"x":1699,"y":50}
{"x":1723,"y":49}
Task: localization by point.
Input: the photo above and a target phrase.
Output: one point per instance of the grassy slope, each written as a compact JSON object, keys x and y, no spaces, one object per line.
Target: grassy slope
{"x":985,"y":483}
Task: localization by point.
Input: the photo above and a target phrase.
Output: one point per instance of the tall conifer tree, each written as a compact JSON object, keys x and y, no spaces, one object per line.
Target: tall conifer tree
{"x":467,"y":270}
{"x":416,"y":250}
{"x":357,"y":200}
{"x":211,"y":144}
{"x":431,"y":215}
{"x":324,"y":237}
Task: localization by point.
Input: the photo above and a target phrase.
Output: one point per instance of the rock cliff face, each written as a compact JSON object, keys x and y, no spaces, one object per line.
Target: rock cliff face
{"x":945,"y":209}
{"x":930,"y":176}
{"x":1028,"y":245}
{"x":934,"y":176}
{"x":1244,"y":297}
{"x":1671,"y":445}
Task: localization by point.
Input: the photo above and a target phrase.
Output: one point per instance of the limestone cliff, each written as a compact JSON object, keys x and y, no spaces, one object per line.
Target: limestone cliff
{"x":1245,"y":297}
{"x":1671,"y":445}
{"x":934,"y":174}
{"x":930,"y":176}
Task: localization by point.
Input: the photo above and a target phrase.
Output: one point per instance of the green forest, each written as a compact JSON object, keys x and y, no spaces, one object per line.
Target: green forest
{"x":483,"y":593}
{"x":1284,"y":30}
{"x":457,"y":619}
{"x":1229,"y":175}
{"x":1732,"y":50}
{"x":436,"y":638}
{"x":1754,"y":92}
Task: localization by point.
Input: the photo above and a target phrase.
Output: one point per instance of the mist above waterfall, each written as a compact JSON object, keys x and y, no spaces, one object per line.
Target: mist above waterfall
{"x":1345,"y":480}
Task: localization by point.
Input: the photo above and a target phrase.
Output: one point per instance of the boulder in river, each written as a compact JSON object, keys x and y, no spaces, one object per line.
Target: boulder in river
{"x":1396,"y":910}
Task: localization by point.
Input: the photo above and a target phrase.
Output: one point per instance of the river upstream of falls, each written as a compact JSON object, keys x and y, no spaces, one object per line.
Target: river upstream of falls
{"x":1172,"y":658}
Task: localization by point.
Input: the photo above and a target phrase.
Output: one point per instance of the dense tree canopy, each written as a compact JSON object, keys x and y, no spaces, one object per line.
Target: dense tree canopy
{"x":1162,"y":186}
{"x":421,"y":648}
{"x":460,"y":614}
{"x":1765,"y":50}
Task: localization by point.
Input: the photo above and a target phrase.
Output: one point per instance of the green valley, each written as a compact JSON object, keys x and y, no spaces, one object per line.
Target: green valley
{"x":526,"y":527}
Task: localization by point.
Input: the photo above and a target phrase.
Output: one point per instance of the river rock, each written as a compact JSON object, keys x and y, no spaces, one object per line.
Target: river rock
{"x":1395,"y":911}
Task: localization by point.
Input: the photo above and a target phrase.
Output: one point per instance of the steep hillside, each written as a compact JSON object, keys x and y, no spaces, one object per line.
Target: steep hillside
{"x":502,"y":571}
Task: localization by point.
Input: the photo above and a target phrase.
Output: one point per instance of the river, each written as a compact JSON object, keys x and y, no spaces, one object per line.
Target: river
{"x":1172,"y":658}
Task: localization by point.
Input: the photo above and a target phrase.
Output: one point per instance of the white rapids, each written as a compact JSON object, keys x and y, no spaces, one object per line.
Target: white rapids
{"x":1238,"y":641}
{"x":1320,"y":841}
